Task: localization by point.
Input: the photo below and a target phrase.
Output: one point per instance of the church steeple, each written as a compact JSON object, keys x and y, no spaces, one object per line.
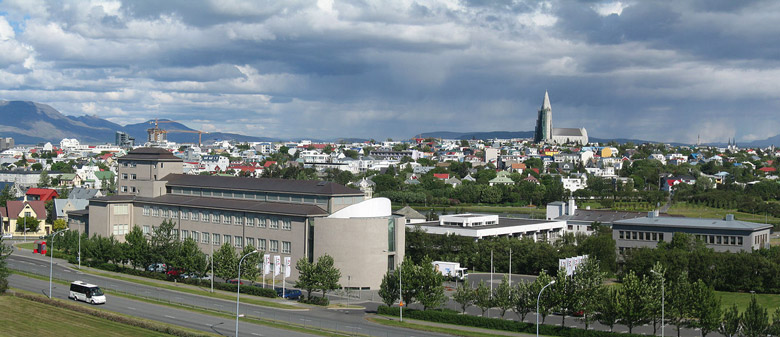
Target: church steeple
{"x":543,"y":132}
{"x":546,"y":103}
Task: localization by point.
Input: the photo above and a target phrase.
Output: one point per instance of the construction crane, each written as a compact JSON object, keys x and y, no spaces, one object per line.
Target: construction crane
{"x":200,"y":134}
{"x":156,"y":134}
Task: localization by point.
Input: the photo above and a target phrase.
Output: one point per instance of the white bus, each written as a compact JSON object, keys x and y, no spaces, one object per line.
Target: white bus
{"x":90,"y":293}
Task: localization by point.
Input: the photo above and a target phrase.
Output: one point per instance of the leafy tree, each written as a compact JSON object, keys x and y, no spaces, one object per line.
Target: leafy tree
{"x":190,"y":258}
{"x":44,"y":180}
{"x":327,"y":276}
{"x":654,"y":283}
{"x":588,"y":285}
{"x":164,"y":242}
{"x":731,"y":322}
{"x":388,"y":290}
{"x":563,"y":295}
{"x":429,"y":285}
{"x":774,"y":328}
{"x":138,"y":247}
{"x":705,"y":308}
{"x":31,"y":223}
{"x":36,"y":167}
{"x":502,"y":296}
{"x":5,"y":250}
{"x":464,"y":296}
{"x":306,"y":276}
{"x":755,"y":320}
{"x":609,"y":307}
{"x":59,"y":224}
{"x":250,"y":269}
{"x":632,"y":309}
{"x":523,"y":299}
{"x":678,"y":297}
{"x":226,"y":262}
{"x":5,"y":195}
{"x":546,"y":302}
{"x":51,"y":215}
{"x":482,"y":298}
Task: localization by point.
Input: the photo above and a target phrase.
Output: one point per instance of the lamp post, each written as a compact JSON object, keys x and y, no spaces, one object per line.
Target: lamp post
{"x":79,"y":257}
{"x":662,"y":300}
{"x":211,"y":243}
{"x":401,"y":291}
{"x":537,"y":305}
{"x":238,"y":288}
{"x":51,"y":257}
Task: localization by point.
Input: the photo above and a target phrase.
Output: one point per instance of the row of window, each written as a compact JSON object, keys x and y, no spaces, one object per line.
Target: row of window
{"x":128,"y":188}
{"x":261,"y":196}
{"x":238,"y":241}
{"x":262,"y":222}
{"x":720,"y":239}
{"x":121,"y":229}
{"x":646,"y":236}
{"x":125,"y":176}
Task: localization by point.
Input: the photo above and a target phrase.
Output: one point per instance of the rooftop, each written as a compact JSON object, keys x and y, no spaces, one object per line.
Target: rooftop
{"x":312,"y":187}
{"x":150,"y":153}
{"x":695,"y":223}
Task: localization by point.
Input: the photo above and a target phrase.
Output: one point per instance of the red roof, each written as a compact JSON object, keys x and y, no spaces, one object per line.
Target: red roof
{"x":106,"y":156}
{"x":767,"y":169}
{"x":535,"y":170}
{"x":44,"y":194}
{"x":269,"y":163}
{"x":33,"y":150}
{"x":242,"y":168}
{"x":441,"y":175}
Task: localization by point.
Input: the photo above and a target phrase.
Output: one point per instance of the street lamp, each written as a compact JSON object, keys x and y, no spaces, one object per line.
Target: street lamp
{"x":211,"y":243}
{"x":662,"y":300}
{"x":539,"y":298}
{"x":238,"y":283}
{"x":51,"y":257}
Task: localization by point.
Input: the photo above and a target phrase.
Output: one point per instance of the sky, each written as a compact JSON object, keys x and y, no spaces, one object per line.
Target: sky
{"x":655,"y":70}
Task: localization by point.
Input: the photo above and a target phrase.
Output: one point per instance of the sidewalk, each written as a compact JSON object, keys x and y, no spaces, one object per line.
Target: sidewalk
{"x":454,"y":327}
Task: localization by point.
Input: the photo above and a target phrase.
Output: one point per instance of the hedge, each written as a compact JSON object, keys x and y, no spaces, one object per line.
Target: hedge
{"x":323,"y":301}
{"x":451,"y":317}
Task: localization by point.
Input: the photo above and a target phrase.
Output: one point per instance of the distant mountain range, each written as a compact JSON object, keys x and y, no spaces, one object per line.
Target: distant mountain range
{"x":530,"y":134}
{"x":31,"y":123}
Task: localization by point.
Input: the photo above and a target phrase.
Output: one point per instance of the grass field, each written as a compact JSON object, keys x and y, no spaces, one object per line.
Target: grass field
{"x":768,"y":301}
{"x":700,"y":211}
{"x":29,"y":245}
{"x":27,"y":318}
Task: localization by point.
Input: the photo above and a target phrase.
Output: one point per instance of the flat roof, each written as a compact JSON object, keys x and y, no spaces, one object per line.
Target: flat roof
{"x":240,"y":205}
{"x":502,"y":223}
{"x":604,"y":216}
{"x":150,"y":153}
{"x":698,"y":223}
{"x":310,"y":187}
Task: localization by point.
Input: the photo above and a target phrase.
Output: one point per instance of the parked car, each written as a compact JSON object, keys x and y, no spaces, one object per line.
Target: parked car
{"x":290,"y":294}
{"x":8,"y":235}
{"x":157,"y":267}
{"x":175,"y":272}
{"x":234,"y":281}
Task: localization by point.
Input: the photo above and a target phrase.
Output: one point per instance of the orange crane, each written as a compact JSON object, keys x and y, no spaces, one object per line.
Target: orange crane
{"x":200,"y":134}
{"x":156,"y":134}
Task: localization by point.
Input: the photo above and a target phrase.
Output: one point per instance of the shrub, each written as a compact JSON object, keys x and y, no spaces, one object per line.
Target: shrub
{"x":323,"y":301}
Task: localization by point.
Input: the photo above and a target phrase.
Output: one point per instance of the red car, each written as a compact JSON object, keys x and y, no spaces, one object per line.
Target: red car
{"x":175,"y":272}
{"x":234,"y":281}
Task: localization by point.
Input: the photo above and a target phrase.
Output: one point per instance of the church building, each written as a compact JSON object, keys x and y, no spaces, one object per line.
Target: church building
{"x":545,"y":133}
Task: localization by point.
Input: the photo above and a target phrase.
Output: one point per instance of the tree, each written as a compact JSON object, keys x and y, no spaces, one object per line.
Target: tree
{"x":44,"y":180}
{"x":51,"y":215}
{"x":632,"y":308}
{"x":190,"y":258}
{"x":502,"y":296}
{"x":482,"y":297}
{"x":678,"y":298}
{"x":731,"y":322}
{"x":388,"y":290}
{"x":546,"y":301}
{"x":523,"y":299}
{"x":609,"y":307}
{"x":464,"y":296}
{"x":138,"y":247}
{"x":59,"y":224}
{"x":563,"y":295}
{"x":31,"y":223}
{"x":5,"y":250}
{"x":327,"y":276}
{"x":705,"y":308}
{"x":755,"y":320}
{"x":226,"y":262}
{"x":654,"y":282}
{"x":429,"y":285}
{"x":250,"y":269}
{"x":6,"y":195}
{"x":774,"y":328}
{"x":306,"y":276}
{"x":588,"y":285}
{"x":164,"y":242}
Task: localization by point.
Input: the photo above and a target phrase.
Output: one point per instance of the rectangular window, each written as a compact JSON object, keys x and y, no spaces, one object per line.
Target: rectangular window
{"x":132,"y":176}
{"x":391,"y":235}
{"x":196,"y":236}
{"x":249,"y":222}
{"x":633,"y":235}
{"x":239,"y":220}
{"x":250,"y":242}
{"x":720,"y":239}
{"x":147,"y":210}
{"x":146,"y":229}
{"x":205,"y":237}
{"x":132,"y":189}
{"x":183,"y":215}
{"x":215,"y":218}
{"x":185,"y":234}
{"x":203,"y":217}
{"x":620,"y":234}
{"x":641,"y":235}
{"x":286,"y":247}
{"x":739,"y":240}
{"x":239,"y":241}
{"x":286,"y":225}
{"x":124,"y":176}
{"x":274,"y":246}
{"x":655,"y":236}
{"x":124,"y":188}
{"x":165,"y":213}
{"x":216,"y":239}
{"x":226,"y":219}
{"x":660,"y":236}
{"x":227,"y":239}
{"x":733,"y":240}
{"x":260,"y":222}
{"x":261,"y":244}
{"x":712,"y":239}
{"x":120,"y":209}
{"x":274,"y":224}
{"x":155,"y":212}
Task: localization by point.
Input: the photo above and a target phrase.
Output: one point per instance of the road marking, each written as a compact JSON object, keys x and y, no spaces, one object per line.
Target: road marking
{"x":68,"y":271}
{"x":171,"y":317}
{"x":256,"y":334}
{"x":131,"y":308}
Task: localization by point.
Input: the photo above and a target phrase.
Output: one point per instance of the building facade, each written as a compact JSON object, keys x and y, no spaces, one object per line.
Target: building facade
{"x":295,"y":218}
{"x":545,"y":133}
{"x":728,"y":235}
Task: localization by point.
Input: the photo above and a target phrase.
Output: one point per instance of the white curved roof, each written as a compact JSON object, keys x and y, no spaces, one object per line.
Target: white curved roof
{"x":371,"y":208}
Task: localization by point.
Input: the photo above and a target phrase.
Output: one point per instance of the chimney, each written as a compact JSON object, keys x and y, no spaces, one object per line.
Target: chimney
{"x":571,"y":207}
{"x":729,"y":217}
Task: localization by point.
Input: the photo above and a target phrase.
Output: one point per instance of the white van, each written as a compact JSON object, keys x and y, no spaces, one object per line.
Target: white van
{"x":90,"y":293}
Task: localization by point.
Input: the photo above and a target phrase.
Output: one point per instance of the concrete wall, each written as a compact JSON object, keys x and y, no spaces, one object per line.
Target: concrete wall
{"x":359,"y":247}
{"x":147,"y":176}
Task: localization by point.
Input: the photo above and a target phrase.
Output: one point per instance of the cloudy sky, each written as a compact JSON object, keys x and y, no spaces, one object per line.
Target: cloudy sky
{"x":665,"y":70}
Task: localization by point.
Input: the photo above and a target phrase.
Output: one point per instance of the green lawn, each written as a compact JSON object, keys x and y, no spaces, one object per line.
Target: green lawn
{"x":23,"y":317}
{"x":28,"y":245}
{"x":700,"y":211}
{"x":768,"y":301}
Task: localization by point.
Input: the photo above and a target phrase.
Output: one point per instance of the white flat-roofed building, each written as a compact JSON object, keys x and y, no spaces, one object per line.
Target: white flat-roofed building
{"x":478,"y":226}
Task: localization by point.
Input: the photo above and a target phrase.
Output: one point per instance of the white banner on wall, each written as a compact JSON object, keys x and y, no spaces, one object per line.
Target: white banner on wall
{"x":266,"y":264}
{"x":287,"y":262}
{"x":277,"y":264}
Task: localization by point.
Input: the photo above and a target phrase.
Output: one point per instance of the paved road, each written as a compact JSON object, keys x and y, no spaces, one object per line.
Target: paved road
{"x":349,"y":321}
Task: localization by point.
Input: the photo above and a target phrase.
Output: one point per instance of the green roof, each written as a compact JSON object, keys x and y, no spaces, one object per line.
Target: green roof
{"x":104,"y":175}
{"x":67,"y":176}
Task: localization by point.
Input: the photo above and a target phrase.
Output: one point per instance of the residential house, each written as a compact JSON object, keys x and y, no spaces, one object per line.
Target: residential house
{"x":42,"y":194}
{"x":21,"y":209}
{"x":502,"y":178}
{"x":70,"y":180}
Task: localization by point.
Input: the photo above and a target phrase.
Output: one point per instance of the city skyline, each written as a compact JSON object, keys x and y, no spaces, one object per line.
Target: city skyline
{"x":647,"y":70}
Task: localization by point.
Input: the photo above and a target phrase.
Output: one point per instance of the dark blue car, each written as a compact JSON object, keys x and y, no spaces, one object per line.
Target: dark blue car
{"x":290,"y":294}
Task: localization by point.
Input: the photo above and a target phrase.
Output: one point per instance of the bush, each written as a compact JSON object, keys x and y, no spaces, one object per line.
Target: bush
{"x":452,"y":317}
{"x":323,"y":301}
{"x":247,"y":289}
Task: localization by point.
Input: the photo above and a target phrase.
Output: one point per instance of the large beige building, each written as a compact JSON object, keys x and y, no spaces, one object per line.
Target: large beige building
{"x":295,"y":218}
